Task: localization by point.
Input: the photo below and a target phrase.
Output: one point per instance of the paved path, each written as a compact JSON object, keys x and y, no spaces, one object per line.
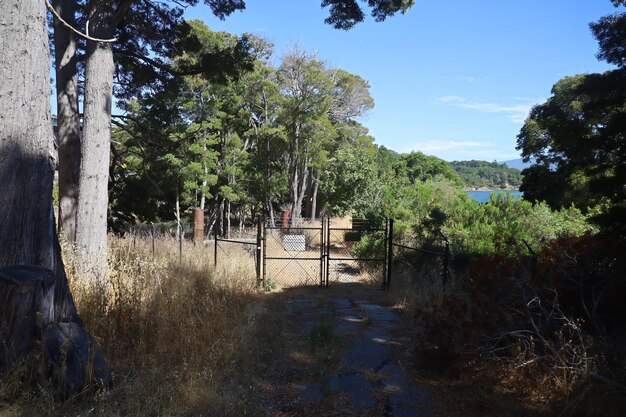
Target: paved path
{"x":360,"y":378}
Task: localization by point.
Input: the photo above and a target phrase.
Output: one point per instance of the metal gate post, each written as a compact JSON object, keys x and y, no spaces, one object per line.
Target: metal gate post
{"x":258,"y":250}
{"x":327,"y":231}
{"x":383,"y":285}
{"x":264,"y":254}
{"x":389,"y":254}
{"x":322,"y":250}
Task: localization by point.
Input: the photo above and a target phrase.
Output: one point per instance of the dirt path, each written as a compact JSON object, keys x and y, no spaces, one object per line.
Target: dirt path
{"x":340,"y":359}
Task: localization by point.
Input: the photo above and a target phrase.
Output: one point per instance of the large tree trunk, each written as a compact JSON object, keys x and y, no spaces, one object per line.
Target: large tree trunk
{"x":68,"y":131}
{"x":309,"y":192}
{"x":91,"y":231}
{"x":35,"y":303}
{"x":300,"y":191}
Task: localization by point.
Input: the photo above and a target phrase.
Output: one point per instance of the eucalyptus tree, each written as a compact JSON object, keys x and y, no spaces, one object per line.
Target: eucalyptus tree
{"x":307,"y":89}
{"x":350,"y":99}
{"x":265,"y":173}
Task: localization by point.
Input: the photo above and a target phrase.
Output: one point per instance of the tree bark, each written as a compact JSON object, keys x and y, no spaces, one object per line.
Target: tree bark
{"x":271,"y":212}
{"x":91,"y":228}
{"x":242,"y":219}
{"x":316,"y":186}
{"x":300,"y":182}
{"x":177,"y":214}
{"x":228,"y":219}
{"x":309,"y":192}
{"x":68,"y":130}
{"x":220,"y":219}
{"x":35,"y":303}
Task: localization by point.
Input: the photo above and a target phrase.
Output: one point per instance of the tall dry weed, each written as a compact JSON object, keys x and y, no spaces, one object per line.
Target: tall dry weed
{"x":181,"y":336}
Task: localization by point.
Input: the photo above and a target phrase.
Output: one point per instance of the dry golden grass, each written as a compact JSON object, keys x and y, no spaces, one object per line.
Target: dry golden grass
{"x":181,"y":337}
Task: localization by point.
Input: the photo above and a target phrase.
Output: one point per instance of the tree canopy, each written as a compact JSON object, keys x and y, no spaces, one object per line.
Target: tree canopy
{"x":577,"y":136}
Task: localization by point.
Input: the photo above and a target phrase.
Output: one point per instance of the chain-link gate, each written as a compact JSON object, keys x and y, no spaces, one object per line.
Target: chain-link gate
{"x":323,"y":252}
{"x":347,"y":262}
{"x":293,"y":253}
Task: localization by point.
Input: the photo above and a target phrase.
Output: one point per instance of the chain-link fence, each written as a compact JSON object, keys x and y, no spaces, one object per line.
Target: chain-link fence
{"x":347,"y":261}
{"x":293,"y":253}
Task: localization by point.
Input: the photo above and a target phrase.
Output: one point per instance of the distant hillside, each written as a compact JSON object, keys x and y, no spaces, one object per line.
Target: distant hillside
{"x":517,"y":164}
{"x":490,"y":175}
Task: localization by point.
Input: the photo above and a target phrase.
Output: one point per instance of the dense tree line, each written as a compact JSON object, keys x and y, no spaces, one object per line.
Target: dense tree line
{"x":483,"y":174}
{"x":276,"y":137}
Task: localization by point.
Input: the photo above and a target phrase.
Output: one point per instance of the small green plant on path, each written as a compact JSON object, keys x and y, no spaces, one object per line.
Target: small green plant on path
{"x":323,"y":334}
{"x":270,"y":284}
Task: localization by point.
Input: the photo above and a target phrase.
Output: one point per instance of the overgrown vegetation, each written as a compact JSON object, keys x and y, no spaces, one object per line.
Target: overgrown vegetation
{"x":181,"y":337}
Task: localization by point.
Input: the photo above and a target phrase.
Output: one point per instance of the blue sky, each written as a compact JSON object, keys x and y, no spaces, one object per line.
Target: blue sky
{"x":454,"y":78}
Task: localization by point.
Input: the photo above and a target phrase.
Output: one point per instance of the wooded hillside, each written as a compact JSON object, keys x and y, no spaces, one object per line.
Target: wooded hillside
{"x":483,"y":174}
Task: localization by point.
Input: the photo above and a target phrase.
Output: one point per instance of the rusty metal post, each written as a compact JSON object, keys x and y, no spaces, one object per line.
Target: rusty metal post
{"x":198,"y":225}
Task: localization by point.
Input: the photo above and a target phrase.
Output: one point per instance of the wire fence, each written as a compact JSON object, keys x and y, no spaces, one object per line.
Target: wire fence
{"x":290,"y":252}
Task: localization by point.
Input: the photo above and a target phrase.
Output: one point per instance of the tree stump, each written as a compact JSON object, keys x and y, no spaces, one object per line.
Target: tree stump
{"x":70,"y":357}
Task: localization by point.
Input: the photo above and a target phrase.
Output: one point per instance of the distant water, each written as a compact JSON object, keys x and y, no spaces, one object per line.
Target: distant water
{"x":483,"y":196}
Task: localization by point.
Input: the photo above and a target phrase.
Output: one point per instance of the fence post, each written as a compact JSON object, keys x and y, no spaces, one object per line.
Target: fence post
{"x":327,"y":241}
{"x":180,"y":241}
{"x":152,"y":232}
{"x":322,"y":250}
{"x":215,"y":246}
{"x":264,"y":271}
{"x":389,"y":253}
{"x":258,"y":250}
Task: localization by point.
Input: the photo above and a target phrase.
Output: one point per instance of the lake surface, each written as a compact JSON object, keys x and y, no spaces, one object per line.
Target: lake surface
{"x":483,"y":196}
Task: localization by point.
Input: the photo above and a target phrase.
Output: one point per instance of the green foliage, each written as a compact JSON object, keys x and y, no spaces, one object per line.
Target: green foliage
{"x":424,"y":207}
{"x":270,"y":284}
{"x":420,"y":167}
{"x":577,"y":137}
{"x":483,"y":174}
{"x":344,"y":14}
{"x":577,"y":140}
{"x":505,"y":225}
{"x":322,"y":334}
{"x":263,"y":139}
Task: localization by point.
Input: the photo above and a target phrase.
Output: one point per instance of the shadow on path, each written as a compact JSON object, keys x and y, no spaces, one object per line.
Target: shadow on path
{"x":339,"y":358}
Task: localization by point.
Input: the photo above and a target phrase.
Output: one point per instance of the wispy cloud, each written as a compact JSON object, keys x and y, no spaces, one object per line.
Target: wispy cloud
{"x":448,"y":145}
{"x":516,"y":113}
{"x":467,"y":78}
